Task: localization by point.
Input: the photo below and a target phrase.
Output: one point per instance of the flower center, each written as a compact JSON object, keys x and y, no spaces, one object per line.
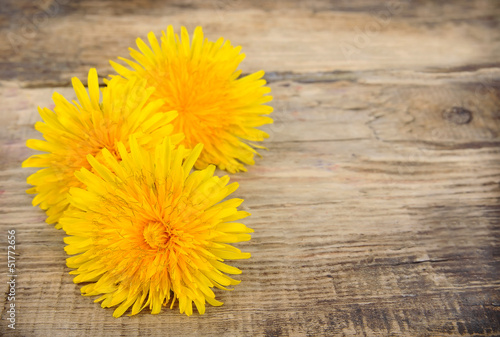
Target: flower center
{"x":155,"y":235}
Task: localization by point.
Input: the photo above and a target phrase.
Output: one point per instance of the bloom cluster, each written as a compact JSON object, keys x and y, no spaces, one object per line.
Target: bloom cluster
{"x":127,"y":171}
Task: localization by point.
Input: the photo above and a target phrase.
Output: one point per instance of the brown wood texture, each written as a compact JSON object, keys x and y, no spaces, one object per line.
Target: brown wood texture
{"x":375,"y":209}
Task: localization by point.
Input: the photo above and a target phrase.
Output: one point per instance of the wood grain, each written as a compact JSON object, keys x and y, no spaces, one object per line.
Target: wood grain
{"x":375,"y":209}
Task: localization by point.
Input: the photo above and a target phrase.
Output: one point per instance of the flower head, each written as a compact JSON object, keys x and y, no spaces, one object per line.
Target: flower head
{"x":147,"y":231}
{"x":200,"y":80}
{"x":75,"y":130}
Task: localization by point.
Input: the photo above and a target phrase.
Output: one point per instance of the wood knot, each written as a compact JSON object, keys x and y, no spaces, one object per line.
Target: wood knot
{"x":457,"y":115}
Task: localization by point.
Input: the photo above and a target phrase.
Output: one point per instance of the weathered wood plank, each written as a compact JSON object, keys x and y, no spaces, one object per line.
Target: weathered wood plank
{"x":375,"y":233}
{"x":48,"y":41}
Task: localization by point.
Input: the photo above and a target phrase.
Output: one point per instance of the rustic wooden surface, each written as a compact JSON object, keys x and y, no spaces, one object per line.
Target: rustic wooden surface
{"x":376,"y":209}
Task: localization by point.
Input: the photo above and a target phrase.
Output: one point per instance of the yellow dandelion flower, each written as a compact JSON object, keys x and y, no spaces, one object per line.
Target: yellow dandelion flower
{"x":72,"y":131}
{"x":147,"y":231}
{"x":200,"y":80}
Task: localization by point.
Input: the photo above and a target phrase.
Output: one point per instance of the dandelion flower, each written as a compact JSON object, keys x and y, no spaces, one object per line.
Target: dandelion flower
{"x":200,"y":80}
{"x":75,"y":130}
{"x":146,"y":231}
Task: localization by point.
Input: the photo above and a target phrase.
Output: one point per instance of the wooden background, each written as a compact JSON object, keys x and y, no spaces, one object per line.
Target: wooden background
{"x":376,"y":209}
